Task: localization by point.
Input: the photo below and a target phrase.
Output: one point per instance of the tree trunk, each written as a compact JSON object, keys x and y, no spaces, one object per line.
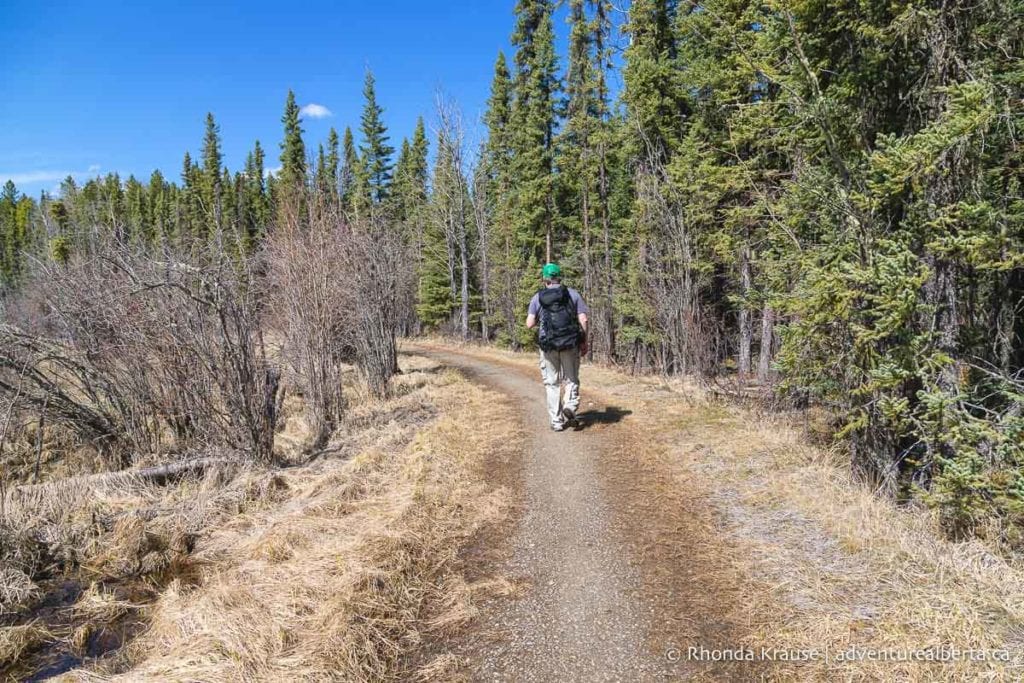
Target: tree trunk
{"x":464,"y":274}
{"x":483,"y":235}
{"x":609,"y":294}
{"x":746,"y":329}
{"x":764,"y":364}
{"x":151,"y":475}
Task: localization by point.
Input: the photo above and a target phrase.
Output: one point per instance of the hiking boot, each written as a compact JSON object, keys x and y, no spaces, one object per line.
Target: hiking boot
{"x":570,"y":416}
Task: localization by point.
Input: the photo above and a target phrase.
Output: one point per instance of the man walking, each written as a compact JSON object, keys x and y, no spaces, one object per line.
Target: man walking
{"x":562,"y":315}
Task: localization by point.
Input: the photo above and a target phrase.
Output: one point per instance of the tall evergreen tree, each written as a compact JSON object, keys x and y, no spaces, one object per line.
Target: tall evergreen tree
{"x":211,"y":192}
{"x":350,"y":172}
{"x":291,"y":182}
{"x":255,"y":202}
{"x":500,"y":206}
{"x":160,"y":208}
{"x":533,"y":127}
{"x":320,"y":178}
{"x":443,"y":281}
{"x":332,"y":166}
{"x":10,"y":238}
{"x":411,"y":175}
{"x":582,"y":160}
{"x":136,"y":211}
{"x":375,"y":151}
{"x":656,"y":106}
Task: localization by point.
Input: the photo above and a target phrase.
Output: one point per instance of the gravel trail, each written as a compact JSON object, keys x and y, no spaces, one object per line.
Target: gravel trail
{"x":581,"y":617}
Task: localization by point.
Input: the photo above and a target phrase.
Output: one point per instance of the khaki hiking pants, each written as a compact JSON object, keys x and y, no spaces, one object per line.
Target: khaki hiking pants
{"x":557,"y":367}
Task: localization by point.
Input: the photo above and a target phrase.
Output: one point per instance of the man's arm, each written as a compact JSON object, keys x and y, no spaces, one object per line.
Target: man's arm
{"x":531,"y":312}
{"x":584,"y":347}
{"x":581,"y":314}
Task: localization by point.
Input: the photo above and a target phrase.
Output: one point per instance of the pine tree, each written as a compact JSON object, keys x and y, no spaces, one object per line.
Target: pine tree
{"x":211,"y":192}
{"x":182,"y":209}
{"x":411,"y":175}
{"x":583,"y":162}
{"x":320,"y":179}
{"x":440,"y":273}
{"x":350,"y":171}
{"x":333,"y":164}
{"x":158,"y":196}
{"x":228,"y":234}
{"x":255,"y":208}
{"x":532,"y":127}
{"x":137,"y":227}
{"x":497,"y":163}
{"x":291,"y":182}
{"x":10,"y":243}
{"x":375,"y":151}
{"x":656,"y":106}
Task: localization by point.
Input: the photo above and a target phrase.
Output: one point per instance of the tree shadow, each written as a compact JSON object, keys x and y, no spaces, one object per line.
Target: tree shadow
{"x":610,"y":415}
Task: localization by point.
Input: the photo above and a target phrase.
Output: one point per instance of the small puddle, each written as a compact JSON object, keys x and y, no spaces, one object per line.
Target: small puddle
{"x":55,"y":612}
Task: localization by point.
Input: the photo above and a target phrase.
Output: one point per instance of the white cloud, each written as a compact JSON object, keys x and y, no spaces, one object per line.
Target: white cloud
{"x":29,"y":177}
{"x":35,"y":176}
{"x":271,"y":171}
{"x":316,"y":111}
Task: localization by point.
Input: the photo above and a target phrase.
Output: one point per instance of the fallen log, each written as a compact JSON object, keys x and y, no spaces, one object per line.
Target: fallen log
{"x":160,"y":476}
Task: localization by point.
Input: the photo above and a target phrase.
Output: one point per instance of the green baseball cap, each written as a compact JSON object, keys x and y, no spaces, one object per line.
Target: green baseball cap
{"x":551,"y":270}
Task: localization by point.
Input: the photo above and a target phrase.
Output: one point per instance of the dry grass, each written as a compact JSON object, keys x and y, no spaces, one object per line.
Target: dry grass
{"x":827,"y":564}
{"x":352,"y":564}
{"x":16,"y":640}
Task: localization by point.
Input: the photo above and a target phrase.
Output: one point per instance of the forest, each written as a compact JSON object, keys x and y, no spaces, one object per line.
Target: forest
{"x":820,"y":201}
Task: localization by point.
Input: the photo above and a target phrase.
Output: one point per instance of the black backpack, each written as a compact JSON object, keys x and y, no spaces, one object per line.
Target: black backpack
{"x":559,"y":324}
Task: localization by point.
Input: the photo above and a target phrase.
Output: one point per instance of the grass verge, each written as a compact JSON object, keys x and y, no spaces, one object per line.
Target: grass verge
{"x":341,"y":568}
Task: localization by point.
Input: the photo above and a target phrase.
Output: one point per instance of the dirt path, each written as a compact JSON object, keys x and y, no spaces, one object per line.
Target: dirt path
{"x":599,"y":564}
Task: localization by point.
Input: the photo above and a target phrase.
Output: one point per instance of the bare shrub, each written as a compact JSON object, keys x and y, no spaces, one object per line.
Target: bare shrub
{"x":336,"y":291}
{"x":377,"y":261}
{"x":143,"y":353}
{"x":674,"y":279}
{"x":310,"y":297}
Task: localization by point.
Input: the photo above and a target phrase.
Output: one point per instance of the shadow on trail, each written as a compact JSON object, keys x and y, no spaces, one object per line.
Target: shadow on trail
{"x":610,"y":415}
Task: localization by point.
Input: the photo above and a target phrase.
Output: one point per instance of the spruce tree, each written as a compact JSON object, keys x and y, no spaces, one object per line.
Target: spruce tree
{"x":10,"y":247}
{"x":136,"y":218}
{"x":411,"y":174}
{"x":291,"y":183}
{"x":656,"y":106}
{"x":333,"y":164}
{"x":348,"y":176}
{"x":533,"y":126}
{"x":255,"y":209}
{"x":582,"y":162}
{"x":160,"y":208}
{"x":320,"y":178}
{"x":497,"y":163}
{"x":441,"y":274}
{"x":400,"y":189}
{"x":211,"y":184}
{"x":575,"y":144}
{"x":375,"y":152}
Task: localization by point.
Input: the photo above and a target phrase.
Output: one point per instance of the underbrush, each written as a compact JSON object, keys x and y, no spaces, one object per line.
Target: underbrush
{"x":82,"y":557}
{"x":338,"y":568}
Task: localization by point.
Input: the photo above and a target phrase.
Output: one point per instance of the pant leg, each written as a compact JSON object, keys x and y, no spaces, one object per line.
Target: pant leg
{"x":550,"y":367}
{"x":570,"y":363}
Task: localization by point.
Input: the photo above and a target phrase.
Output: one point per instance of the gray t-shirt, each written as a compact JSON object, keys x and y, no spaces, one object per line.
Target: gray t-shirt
{"x":581,"y":307}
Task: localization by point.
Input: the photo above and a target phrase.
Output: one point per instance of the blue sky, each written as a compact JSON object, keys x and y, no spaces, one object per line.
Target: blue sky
{"x":95,"y":87}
